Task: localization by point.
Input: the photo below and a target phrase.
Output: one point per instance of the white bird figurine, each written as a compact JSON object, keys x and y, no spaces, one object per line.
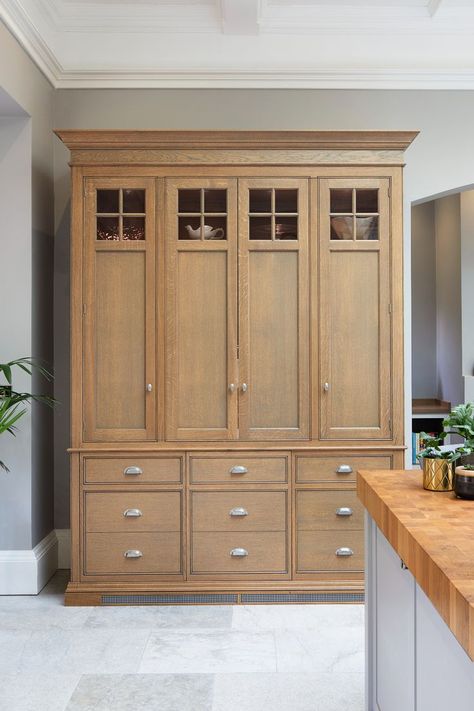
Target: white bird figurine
{"x":209,"y":232}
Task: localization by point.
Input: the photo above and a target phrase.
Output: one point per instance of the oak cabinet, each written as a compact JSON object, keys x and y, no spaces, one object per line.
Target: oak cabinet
{"x":236,"y":355}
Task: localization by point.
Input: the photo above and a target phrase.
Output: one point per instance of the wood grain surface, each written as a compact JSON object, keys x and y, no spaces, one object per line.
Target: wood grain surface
{"x":433,"y":533}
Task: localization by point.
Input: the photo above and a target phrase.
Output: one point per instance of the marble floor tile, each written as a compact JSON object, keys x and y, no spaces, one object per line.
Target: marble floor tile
{"x":209,"y":651}
{"x":336,"y":649}
{"x":143,"y":692}
{"x":173,"y":617}
{"x":36,"y":692}
{"x":84,"y":651}
{"x":38,"y":617}
{"x":288,"y":692}
{"x":296,"y":617}
{"x":12,"y":646}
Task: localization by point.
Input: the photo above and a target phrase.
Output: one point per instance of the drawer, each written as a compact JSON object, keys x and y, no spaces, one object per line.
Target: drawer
{"x":317,"y":551}
{"x":160,"y":553}
{"x":325,"y":510}
{"x":238,"y":469}
{"x":338,"y":468}
{"x":128,"y":511}
{"x":239,"y":511}
{"x":266,"y":553}
{"x":132,"y":470}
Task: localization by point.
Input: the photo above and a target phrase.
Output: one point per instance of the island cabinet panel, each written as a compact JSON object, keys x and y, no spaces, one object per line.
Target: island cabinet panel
{"x":236,"y":357}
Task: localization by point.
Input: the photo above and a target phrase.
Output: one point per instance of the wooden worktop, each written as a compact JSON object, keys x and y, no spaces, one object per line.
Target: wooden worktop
{"x":433,"y":533}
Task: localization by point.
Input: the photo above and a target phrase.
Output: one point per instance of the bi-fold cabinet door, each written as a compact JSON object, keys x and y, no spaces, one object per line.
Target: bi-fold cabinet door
{"x":118,"y":310}
{"x":237,"y":309}
{"x":355,"y":376}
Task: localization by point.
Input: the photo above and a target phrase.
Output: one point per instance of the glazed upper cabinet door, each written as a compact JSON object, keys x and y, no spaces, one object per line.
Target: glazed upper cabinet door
{"x":201,"y":308}
{"x":273,"y":309}
{"x":355,"y":385}
{"x":119,"y":310}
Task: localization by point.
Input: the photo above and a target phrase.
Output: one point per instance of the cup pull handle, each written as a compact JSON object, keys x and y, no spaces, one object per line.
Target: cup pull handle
{"x":344,"y":552}
{"x":132,"y":513}
{"x":133,"y":554}
{"x":238,"y":553}
{"x":344,"y":469}
{"x":132,"y":470}
{"x":238,"y":470}
{"x":344,"y":511}
{"x":238,"y":511}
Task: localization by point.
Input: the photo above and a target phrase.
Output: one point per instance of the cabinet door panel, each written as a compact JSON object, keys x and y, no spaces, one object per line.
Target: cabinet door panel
{"x":355,"y":341}
{"x":273,"y":348}
{"x":201,"y":339}
{"x":119,"y":311}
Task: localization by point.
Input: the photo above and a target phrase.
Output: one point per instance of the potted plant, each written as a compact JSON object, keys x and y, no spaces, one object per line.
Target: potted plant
{"x":437,"y":464}
{"x":461,"y":422}
{"x":12,"y":403}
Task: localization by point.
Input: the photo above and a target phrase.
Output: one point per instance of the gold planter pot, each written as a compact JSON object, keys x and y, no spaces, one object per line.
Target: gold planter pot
{"x":438,"y":474}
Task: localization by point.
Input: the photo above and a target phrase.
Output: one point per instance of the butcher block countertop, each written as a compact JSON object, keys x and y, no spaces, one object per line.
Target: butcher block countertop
{"x":433,"y":533}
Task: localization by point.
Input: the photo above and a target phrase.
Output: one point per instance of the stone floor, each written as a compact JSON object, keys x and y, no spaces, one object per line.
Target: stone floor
{"x":260,"y":658}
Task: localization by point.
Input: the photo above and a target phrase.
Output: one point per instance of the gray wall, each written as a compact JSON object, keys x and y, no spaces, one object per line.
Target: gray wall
{"x":423,"y":295}
{"x":467,"y":281}
{"x":26,"y":324}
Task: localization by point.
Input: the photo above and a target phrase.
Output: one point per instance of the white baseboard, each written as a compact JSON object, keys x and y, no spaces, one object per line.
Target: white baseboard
{"x":27,"y":572}
{"x":64,"y":547}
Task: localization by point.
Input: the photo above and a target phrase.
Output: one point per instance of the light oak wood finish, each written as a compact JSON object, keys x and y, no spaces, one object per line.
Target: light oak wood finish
{"x":432,"y":532}
{"x":191,"y":317}
{"x":326,"y":510}
{"x":131,"y":511}
{"x":133,"y":470}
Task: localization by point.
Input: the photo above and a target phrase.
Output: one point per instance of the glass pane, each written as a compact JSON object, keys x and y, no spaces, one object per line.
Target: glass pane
{"x":189,"y":228}
{"x":108,"y":228}
{"x":367,"y":227}
{"x":286,"y":200}
{"x":286,"y":228}
{"x":215,"y":200}
{"x":367,"y":200}
{"x":133,"y":228}
{"x":107,"y":201}
{"x":260,"y":200}
{"x":133,"y":200}
{"x":341,"y":199}
{"x":341,"y":227}
{"x":260,"y":227}
{"x":215,"y":227}
{"x":189,"y":200}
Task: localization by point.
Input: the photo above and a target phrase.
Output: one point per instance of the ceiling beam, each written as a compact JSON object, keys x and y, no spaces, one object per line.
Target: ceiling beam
{"x":434,"y":6}
{"x":240,"y":17}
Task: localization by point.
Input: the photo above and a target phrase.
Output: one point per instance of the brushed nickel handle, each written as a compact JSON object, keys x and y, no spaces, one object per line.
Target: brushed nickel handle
{"x":344,"y":469}
{"x":238,"y":470}
{"x":133,"y":470}
{"x":344,"y":511}
{"x":244,"y":387}
{"x":231,"y":387}
{"x":239,"y":552}
{"x":132,"y":513}
{"x":133,"y":554}
{"x":344,"y":552}
{"x":149,"y":387}
{"x":238,"y":511}
{"x":326,"y":387}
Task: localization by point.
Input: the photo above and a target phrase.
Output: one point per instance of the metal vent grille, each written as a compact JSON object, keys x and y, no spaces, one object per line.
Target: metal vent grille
{"x":210,"y":599}
{"x":329,"y":597}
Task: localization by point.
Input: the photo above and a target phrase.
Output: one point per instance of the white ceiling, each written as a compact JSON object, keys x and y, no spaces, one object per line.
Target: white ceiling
{"x":248,"y":43}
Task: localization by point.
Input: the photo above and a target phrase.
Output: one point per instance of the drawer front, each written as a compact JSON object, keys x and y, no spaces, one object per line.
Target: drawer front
{"x":317,"y":551}
{"x":128,"y":511}
{"x":336,"y":468}
{"x":328,"y":510}
{"x":266,"y":553}
{"x":160,"y":553}
{"x":239,"y":511}
{"x":132,"y":470}
{"x":238,"y":469}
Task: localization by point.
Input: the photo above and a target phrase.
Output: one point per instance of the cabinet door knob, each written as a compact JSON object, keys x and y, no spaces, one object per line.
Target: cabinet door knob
{"x":149,"y":387}
{"x":326,"y":387}
{"x":132,"y":513}
{"x":231,"y":387}
{"x":238,"y":511}
{"x":132,"y":554}
{"x":344,"y":469}
{"x":239,"y":552}
{"x":132,"y":471}
{"x":344,"y":511}
{"x":238,"y":470}
{"x":344,"y":552}
{"x":244,"y":387}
